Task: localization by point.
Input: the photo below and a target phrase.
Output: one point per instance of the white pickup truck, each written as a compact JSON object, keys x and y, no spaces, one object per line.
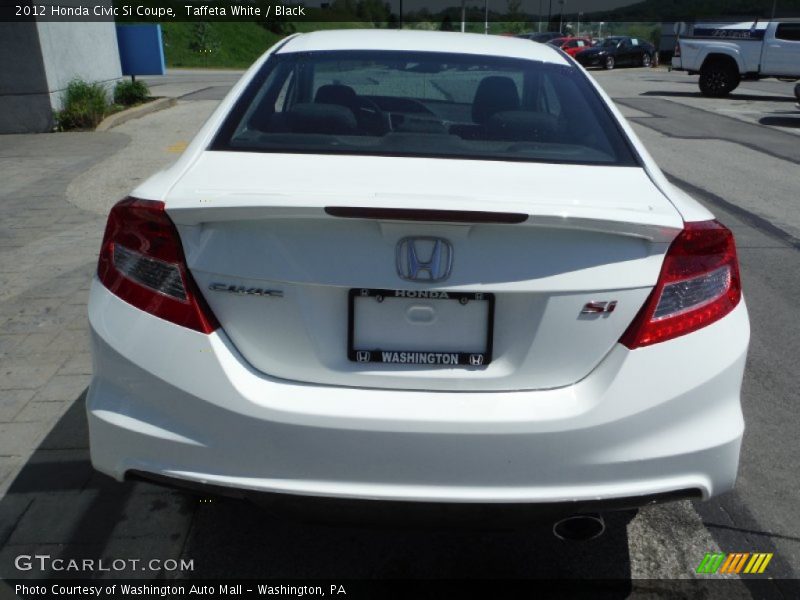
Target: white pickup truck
{"x":723,"y":55}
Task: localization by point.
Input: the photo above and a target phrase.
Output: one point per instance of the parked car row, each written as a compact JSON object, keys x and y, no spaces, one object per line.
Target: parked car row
{"x":608,"y":53}
{"x":722,"y":55}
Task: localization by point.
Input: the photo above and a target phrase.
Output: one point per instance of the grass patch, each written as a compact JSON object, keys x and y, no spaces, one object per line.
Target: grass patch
{"x":216,"y":45}
{"x":222,"y":45}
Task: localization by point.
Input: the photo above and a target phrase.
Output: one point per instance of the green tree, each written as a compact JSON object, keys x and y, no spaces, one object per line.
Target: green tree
{"x":515,"y":16}
{"x":204,"y":40}
{"x":373,"y":11}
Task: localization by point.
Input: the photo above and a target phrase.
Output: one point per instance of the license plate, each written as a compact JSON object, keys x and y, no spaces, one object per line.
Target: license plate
{"x":430,"y":328}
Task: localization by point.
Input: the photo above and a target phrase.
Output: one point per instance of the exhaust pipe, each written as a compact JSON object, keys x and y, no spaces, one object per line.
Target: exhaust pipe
{"x":580,"y":528}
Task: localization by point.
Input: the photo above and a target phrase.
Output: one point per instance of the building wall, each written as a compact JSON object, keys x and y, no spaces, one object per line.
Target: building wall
{"x":40,"y":58}
{"x":86,"y":51}
{"x":24,"y":94}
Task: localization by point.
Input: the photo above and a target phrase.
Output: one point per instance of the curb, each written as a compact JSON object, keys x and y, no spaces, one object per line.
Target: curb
{"x":134,"y":113}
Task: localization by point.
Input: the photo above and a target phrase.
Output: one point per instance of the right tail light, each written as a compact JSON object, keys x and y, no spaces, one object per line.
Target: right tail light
{"x":698,"y":285}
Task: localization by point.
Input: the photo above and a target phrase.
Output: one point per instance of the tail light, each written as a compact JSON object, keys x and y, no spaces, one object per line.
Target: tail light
{"x":142,"y":262}
{"x":677,"y":53}
{"x":699,"y":284}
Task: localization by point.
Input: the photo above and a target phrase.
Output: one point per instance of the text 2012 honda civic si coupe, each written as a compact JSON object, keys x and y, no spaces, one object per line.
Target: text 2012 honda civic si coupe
{"x":424,"y":267}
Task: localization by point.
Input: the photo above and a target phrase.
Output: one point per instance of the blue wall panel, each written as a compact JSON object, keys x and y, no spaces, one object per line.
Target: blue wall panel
{"x":141,"y":51}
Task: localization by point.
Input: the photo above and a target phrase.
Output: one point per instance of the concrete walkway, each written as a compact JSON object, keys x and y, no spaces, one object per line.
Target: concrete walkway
{"x":51,"y":500}
{"x":57,"y":190}
{"x":48,"y":251}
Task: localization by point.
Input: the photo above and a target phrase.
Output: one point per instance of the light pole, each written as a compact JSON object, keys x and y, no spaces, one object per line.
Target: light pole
{"x":463,"y":16}
{"x":600,"y":30}
{"x":486,"y":17}
{"x":578,"y":28}
{"x":539,"y":14}
{"x":561,"y":15}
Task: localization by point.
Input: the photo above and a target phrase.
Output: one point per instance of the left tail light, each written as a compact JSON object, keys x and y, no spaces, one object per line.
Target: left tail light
{"x":142,"y":262}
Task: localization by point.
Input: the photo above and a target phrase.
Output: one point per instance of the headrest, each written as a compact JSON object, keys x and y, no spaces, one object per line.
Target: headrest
{"x":494,"y":94}
{"x":343,"y":95}
{"x":327,"y":119}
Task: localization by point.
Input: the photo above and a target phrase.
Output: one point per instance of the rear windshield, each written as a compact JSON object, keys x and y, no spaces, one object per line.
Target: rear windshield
{"x":424,"y":104}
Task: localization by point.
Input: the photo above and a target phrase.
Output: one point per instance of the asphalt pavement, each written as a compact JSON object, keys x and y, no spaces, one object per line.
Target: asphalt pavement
{"x":739,"y":156}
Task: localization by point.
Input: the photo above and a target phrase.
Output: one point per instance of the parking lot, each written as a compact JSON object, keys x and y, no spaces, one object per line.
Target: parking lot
{"x":739,"y":156}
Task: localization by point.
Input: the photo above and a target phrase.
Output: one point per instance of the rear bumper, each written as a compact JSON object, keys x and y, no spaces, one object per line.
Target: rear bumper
{"x":329,"y":509}
{"x":171,"y":402}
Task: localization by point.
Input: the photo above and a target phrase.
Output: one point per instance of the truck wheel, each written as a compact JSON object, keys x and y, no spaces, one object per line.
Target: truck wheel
{"x":718,"y":79}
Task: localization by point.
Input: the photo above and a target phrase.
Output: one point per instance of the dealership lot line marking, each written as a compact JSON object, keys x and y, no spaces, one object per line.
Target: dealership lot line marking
{"x":177,"y":147}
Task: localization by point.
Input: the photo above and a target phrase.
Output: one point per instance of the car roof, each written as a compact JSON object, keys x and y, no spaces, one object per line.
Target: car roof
{"x":422,"y":41}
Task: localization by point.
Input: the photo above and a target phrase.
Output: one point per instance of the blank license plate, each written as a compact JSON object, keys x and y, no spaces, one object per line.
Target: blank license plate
{"x":420,"y":327}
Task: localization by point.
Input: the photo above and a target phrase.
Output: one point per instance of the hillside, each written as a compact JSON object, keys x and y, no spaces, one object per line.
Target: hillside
{"x":232,"y":45}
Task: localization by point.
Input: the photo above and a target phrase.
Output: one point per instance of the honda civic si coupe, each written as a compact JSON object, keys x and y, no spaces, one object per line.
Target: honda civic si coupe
{"x":421,"y":267}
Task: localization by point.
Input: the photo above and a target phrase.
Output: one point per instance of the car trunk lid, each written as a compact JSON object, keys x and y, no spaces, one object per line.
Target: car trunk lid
{"x":287,"y":247}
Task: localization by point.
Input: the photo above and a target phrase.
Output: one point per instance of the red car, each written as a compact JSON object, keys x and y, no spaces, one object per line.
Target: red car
{"x":571,"y":45}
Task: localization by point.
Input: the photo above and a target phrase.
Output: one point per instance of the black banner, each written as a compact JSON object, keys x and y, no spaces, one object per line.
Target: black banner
{"x":446,"y":14}
{"x":394,"y":589}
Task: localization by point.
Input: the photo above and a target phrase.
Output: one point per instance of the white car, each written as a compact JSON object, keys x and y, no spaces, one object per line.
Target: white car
{"x":425,"y":267}
{"x":725,"y":54}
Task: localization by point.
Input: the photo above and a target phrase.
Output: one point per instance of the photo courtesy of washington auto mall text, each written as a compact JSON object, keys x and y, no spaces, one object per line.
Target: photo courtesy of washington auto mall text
{"x":400,"y":299}
{"x":166,"y":590}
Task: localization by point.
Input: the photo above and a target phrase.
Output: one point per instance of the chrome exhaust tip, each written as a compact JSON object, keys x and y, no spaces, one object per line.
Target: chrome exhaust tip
{"x":580,"y":528}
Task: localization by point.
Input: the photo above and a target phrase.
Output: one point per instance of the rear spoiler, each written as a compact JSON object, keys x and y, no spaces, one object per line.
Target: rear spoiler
{"x":627,"y":223}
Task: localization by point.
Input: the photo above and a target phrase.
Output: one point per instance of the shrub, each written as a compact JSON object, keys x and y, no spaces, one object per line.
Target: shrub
{"x":85,"y":104}
{"x":128,"y":93}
